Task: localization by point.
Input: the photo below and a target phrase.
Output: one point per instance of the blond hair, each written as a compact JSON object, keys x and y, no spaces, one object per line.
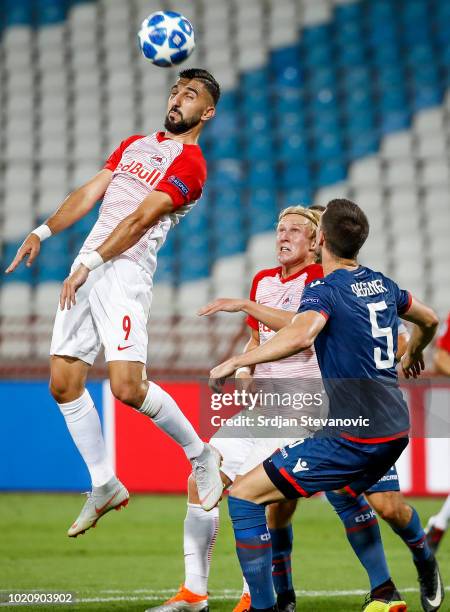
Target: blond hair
{"x":313,"y":216}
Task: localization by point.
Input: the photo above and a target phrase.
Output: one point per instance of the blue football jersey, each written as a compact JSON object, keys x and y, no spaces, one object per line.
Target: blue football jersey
{"x":356,"y":348}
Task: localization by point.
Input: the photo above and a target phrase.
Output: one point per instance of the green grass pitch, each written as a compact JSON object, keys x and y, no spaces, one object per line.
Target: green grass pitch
{"x":133,"y":559}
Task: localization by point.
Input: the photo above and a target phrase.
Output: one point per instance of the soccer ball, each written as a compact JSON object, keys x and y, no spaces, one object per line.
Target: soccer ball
{"x":166,"y":38}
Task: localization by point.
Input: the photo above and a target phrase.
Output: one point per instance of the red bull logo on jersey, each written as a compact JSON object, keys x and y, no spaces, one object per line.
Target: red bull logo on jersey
{"x":146,"y":175}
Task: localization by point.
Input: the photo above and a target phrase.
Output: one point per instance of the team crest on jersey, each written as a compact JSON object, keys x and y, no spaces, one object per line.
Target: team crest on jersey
{"x":287,"y":302}
{"x":158,"y":160}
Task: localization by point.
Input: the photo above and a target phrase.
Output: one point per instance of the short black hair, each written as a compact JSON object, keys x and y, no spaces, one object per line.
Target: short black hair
{"x":210,"y":83}
{"x":317,"y":207}
{"x":345,"y":228}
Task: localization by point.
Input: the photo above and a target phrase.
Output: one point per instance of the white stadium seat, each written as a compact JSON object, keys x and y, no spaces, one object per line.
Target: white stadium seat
{"x":429,"y":120}
{"x":400,"y":172}
{"x":435,"y":172}
{"x":191,"y":296}
{"x":396,"y":145}
{"x":17,"y":224}
{"x":366,"y":171}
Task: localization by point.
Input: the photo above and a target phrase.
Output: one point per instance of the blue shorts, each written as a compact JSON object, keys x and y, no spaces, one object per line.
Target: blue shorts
{"x":389,"y":482}
{"x":328,"y":464}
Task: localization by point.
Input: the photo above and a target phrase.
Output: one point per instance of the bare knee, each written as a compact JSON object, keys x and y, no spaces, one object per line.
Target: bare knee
{"x":279,"y":515}
{"x":127,"y":391}
{"x":66,"y":382}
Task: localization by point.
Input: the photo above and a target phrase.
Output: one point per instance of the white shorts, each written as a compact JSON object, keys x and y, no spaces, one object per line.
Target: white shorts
{"x":112,"y":310}
{"x":240,"y":455}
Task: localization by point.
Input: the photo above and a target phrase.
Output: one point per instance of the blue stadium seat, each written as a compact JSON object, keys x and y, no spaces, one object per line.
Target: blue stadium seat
{"x":262,"y":209}
{"x":394,"y":120}
{"x":289,"y":122}
{"x":261,"y":175}
{"x":350,"y":54}
{"x":258,"y":121}
{"x":284,"y":56}
{"x":225,"y":147}
{"x":296,"y":195}
{"x":226,"y":201}
{"x":228,"y":235}
{"x":329,"y":172}
{"x":294,"y":174}
{"x":420,"y":55}
{"x":392,"y":99}
{"x":359,"y":121}
{"x":357,"y":100}
{"x":322,"y":78}
{"x":361,"y":143}
{"x":288,"y":100}
{"x":380,"y":11}
{"x":348,"y":13}
{"x":258,"y":146}
{"x":197,"y":269}
{"x":292,"y":147}
{"x":324,"y":100}
{"x":48,"y":12}
{"x":386,"y":55}
{"x":317,"y":56}
{"x":389,"y":76}
{"x":316,"y":36}
{"x":255,"y":100}
{"x":425,"y":96}
{"x":352,"y":78}
{"x":166,"y":269}
{"x":327,"y":147}
{"x":226,"y":173}
{"x":323,"y":123}
{"x":17,"y":12}
{"x":349,"y":31}
{"x":255,"y":79}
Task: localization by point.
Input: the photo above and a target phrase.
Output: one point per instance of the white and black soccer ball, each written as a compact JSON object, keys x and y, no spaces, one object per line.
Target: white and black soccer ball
{"x":166,"y":38}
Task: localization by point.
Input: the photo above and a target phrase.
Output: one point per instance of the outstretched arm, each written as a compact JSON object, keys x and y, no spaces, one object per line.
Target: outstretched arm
{"x":127,"y":233}
{"x":274,"y":318}
{"x":298,"y":336}
{"x":426,"y":324}
{"x":74,"y":207}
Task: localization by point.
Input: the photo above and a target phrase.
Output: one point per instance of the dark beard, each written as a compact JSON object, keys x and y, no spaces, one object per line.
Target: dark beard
{"x":182,"y":126}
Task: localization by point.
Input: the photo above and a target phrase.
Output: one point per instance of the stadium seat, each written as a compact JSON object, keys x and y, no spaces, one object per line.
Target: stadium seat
{"x":365,"y":172}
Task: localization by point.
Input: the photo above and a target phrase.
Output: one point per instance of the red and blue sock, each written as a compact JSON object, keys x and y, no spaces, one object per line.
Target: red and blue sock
{"x":254,"y":550}
{"x":281,"y":558}
{"x":363,"y":533}
{"x":414,"y":537}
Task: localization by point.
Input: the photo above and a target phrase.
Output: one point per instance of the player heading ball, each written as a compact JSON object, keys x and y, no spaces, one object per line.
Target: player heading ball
{"x":148,"y":184}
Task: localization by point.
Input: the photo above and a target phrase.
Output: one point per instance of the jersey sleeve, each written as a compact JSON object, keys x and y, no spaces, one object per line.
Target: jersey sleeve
{"x":444,"y":340}
{"x":184,"y":179}
{"x":251,"y":321}
{"x":114,"y":159}
{"x":317,"y":296}
{"x":402,"y":297}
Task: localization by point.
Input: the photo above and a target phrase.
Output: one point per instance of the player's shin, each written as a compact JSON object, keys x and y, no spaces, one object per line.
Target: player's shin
{"x":200,"y":532}
{"x":254,"y":550}
{"x":282,"y":539}
{"x":363,"y":533}
{"x":84,"y":426}
{"x":414,"y":537}
{"x":166,"y":414}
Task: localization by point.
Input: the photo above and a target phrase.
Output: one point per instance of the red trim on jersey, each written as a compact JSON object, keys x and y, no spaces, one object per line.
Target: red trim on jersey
{"x":350,"y":491}
{"x":293,"y":482}
{"x":444,"y":341}
{"x":324,"y":314}
{"x":401,"y":434}
{"x":408,"y":305}
{"x":314,"y":271}
{"x":185,"y":176}
{"x":114,"y":159}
